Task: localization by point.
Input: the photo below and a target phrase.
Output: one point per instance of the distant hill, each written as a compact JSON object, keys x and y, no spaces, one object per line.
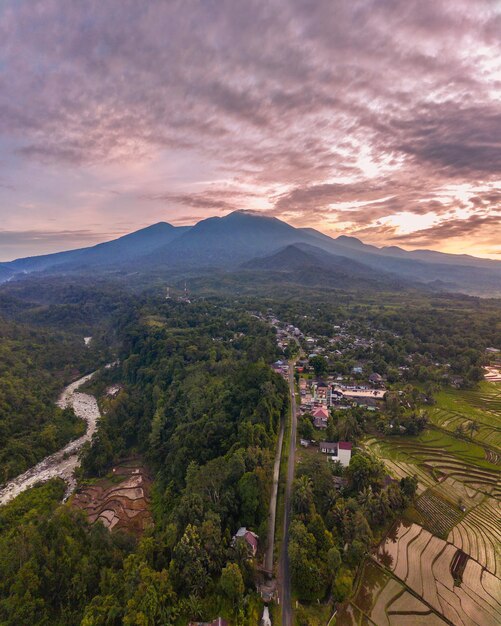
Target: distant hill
{"x":224,"y":243}
{"x":311,"y":265}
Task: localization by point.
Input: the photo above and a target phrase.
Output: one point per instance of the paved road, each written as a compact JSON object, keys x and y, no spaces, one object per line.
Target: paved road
{"x":63,"y":462}
{"x":285,"y":578}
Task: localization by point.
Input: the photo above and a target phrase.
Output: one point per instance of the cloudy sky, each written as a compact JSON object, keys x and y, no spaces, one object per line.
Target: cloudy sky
{"x":376,"y":118}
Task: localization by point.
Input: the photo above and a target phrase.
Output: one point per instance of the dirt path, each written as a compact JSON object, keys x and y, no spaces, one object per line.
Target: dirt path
{"x":62,"y":463}
{"x":268,"y":561}
{"x":286,"y":598}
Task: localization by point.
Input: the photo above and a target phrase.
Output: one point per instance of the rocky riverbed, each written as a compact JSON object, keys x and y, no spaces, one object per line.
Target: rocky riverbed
{"x":62,"y":463}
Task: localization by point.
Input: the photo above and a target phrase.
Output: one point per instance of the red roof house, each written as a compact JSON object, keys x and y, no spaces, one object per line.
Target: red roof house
{"x":249,"y":537}
{"x":321,"y":412}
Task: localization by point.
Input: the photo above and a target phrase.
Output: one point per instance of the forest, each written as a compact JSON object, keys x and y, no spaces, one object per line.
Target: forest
{"x":35,"y":364}
{"x":202,"y":406}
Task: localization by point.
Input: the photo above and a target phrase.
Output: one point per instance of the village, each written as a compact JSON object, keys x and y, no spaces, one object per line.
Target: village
{"x":319,"y":393}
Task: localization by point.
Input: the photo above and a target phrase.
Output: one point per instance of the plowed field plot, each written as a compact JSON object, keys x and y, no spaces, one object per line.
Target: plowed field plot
{"x":440,"y":515}
{"x":459,"y":493}
{"x":458,"y":408}
{"x":121,"y":501}
{"x":382,"y":600}
{"x":423,"y":563}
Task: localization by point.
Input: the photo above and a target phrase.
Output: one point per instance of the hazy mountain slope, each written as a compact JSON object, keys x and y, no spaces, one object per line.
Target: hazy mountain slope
{"x":226,"y":242}
{"x":311,"y":265}
{"x":429,"y":256}
{"x":125,"y":249}
{"x":5,"y":273}
{"x":457,"y":272}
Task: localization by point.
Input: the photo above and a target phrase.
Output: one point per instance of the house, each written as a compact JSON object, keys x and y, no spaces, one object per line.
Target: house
{"x":320,"y":417}
{"x":340,"y":451}
{"x":323,"y":393}
{"x":304,"y":443}
{"x":344,"y":453}
{"x":363,"y":394}
{"x":376,"y":379}
{"x":368,"y":403}
{"x":113,"y":391}
{"x":321,"y":412}
{"x":327,"y":447}
{"x":320,"y":423}
{"x":457,"y":381}
{"x":250,"y":538}
{"x":357,"y":370}
{"x":339,"y":482}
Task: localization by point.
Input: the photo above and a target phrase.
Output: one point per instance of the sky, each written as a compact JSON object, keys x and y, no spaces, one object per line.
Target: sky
{"x":379,"y":119}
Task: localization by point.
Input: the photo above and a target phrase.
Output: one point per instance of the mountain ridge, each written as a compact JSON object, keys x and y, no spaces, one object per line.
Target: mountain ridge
{"x":229,"y":241}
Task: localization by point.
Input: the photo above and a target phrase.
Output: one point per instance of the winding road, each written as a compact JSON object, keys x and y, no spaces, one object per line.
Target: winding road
{"x":62,"y":463}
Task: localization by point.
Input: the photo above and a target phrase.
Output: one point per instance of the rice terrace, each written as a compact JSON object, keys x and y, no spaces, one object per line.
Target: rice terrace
{"x":440,"y":563}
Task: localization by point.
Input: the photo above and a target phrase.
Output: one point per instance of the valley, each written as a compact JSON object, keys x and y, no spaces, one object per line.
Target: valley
{"x":180,"y":468}
{"x":250,"y":313}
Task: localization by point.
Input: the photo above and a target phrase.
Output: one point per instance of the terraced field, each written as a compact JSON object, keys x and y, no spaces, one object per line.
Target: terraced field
{"x":435,"y":456}
{"x":479,"y":535}
{"x":423,"y":563}
{"x":460,"y":407}
{"x":121,"y":502}
{"x":458,"y":493}
{"x":440,"y":515}
{"x":380,"y":599}
{"x":399,"y":464}
{"x":449,"y":563}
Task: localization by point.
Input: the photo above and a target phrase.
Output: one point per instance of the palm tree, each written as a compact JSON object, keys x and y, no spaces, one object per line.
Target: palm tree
{"x":473,"y":427}
{"x":366,"y":498}
{"x":302,"y":498}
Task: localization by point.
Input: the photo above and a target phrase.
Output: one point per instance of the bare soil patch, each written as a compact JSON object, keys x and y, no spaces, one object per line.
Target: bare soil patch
{"x":120,"y":501}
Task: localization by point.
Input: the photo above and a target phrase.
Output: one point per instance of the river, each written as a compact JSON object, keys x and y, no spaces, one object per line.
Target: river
{"x":62,"y":463}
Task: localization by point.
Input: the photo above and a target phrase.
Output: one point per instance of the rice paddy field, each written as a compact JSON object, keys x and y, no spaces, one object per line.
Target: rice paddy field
{"x":455,"y":408}
{"x":479,"y":535}
{"x":435,"y":456}
{"x":382,"y":599}
{"x":446,"y":579}
{"x":442,"y":563}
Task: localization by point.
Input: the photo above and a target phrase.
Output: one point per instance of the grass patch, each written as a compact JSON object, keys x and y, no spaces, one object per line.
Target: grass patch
{"x":312,"y":614}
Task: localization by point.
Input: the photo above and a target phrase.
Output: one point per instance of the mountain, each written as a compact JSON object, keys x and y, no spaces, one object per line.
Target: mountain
{"x":5,"y":274}
{"x":111,"y":253}
{"x":224,"y":243}
{"x":306,"y":264}
{"x":462,"y":273}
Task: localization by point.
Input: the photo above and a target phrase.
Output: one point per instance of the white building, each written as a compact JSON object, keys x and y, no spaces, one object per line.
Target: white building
{"x":340,"y":451}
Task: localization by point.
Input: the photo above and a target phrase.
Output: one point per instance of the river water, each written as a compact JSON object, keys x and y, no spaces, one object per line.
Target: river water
{"x":62,"y":463}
